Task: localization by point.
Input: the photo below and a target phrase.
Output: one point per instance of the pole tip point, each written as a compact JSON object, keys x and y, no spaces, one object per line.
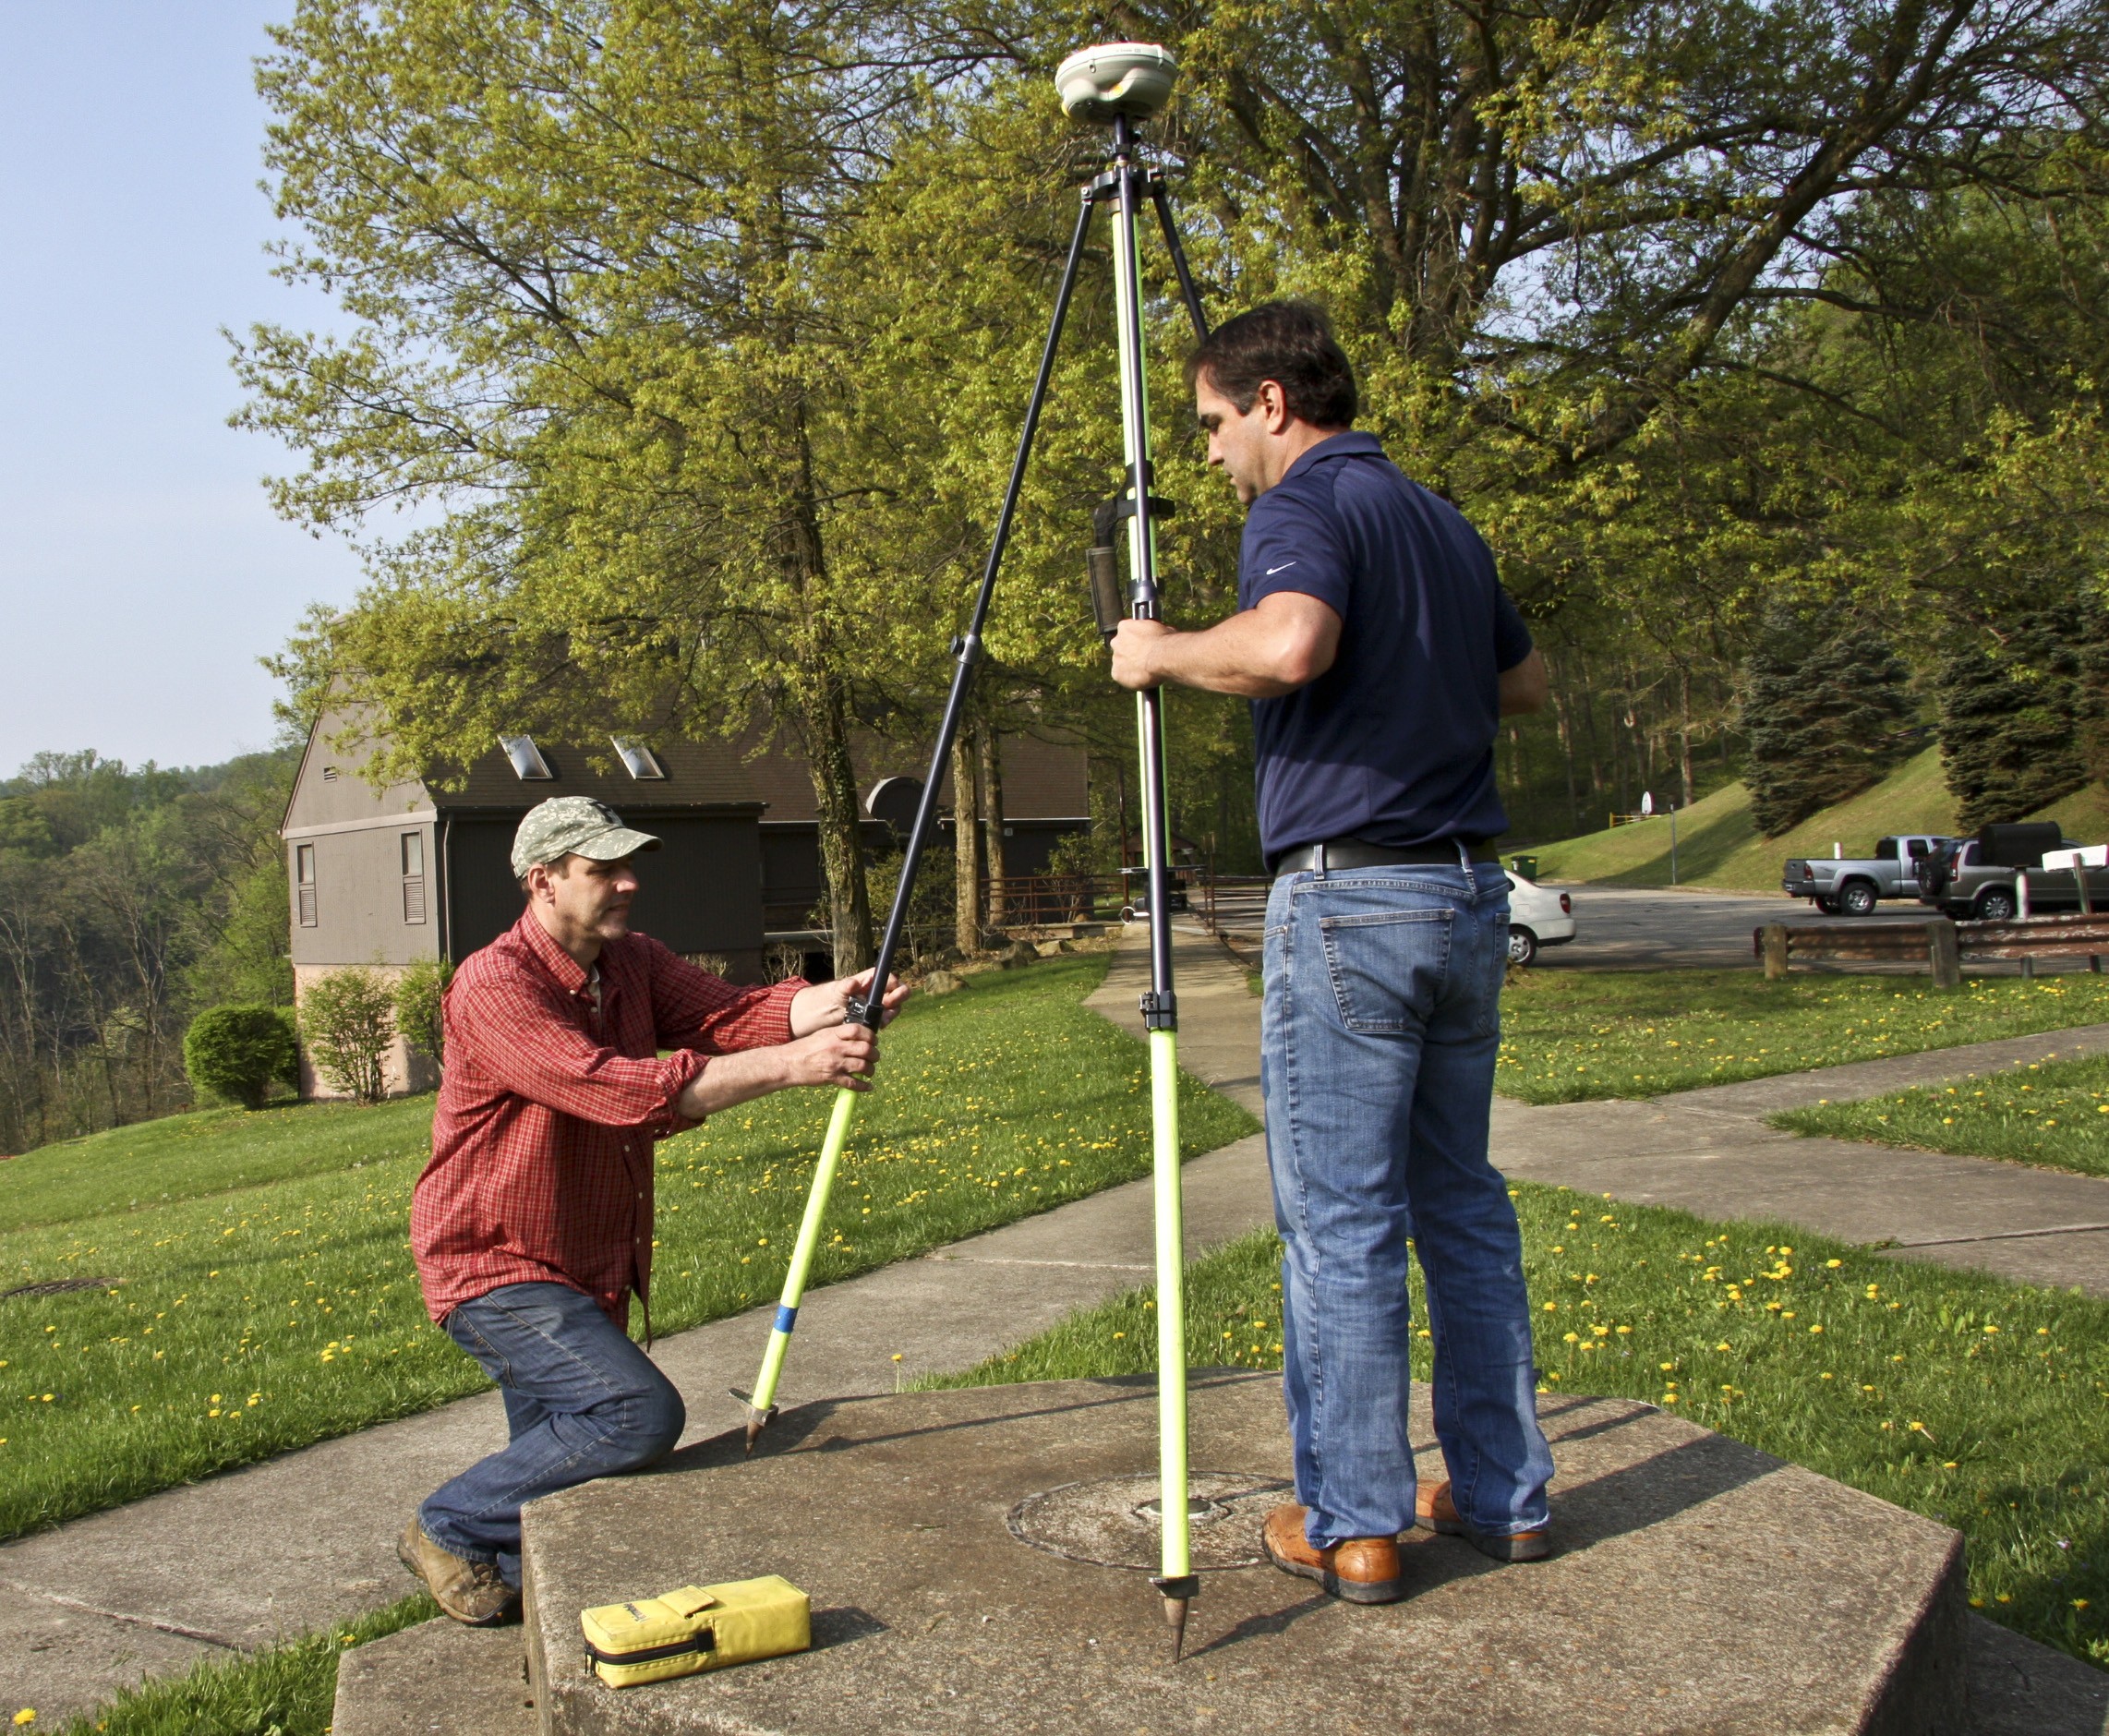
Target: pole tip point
{"x":754,"y":1433}
{"x":1175,"y":1616}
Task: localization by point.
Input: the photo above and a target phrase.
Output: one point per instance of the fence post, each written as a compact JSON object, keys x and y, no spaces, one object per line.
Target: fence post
{"x":1942,"y":954}
{"x":1774,"y":951}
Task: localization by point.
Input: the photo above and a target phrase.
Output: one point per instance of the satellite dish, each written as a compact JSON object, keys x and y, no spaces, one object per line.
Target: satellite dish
{"x":895,"y":801}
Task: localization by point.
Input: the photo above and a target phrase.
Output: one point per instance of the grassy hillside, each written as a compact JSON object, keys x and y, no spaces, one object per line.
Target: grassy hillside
{"x":1718,"y":845}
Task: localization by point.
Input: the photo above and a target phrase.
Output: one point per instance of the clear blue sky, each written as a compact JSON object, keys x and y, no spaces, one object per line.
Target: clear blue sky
{"x":141,"y":571}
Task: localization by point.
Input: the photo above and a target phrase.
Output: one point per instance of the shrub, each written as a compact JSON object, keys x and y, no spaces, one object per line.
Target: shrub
{"x":419,"y":995}
{"x":238,"y":1052}
{"x":348,"y":1020}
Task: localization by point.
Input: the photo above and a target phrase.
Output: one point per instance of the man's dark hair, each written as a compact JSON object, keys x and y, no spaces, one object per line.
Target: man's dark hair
{"x":1290,"y":343}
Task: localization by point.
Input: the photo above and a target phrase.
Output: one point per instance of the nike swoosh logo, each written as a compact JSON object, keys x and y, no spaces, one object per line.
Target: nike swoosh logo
{"x":1282,"y":568}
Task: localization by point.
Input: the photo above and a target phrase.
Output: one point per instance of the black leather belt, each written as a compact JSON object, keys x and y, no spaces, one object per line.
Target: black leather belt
{"x":1338,"y":853}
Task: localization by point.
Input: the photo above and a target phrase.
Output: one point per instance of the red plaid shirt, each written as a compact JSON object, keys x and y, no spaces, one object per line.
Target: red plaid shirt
{"x":541,"y":1168}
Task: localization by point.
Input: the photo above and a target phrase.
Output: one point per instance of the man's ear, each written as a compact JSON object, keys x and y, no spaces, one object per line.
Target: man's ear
{"x":1273,"y":405}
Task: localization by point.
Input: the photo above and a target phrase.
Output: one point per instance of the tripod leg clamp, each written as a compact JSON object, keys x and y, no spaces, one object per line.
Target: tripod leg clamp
{"x":1159,"y":1010}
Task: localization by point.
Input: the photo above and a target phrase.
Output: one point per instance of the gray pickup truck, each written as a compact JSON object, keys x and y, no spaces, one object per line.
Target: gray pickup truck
{"x":1978,"y":878}
{"x":1855,"y":887}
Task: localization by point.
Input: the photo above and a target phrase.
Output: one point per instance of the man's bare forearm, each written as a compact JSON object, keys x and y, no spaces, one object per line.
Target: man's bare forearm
{"x":732,"y":1078}
{"x":1288,"y":640}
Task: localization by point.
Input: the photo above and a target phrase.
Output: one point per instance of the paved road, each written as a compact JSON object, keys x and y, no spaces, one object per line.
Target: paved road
{"x":1626,"y":928}
{"x":1631,"y":928}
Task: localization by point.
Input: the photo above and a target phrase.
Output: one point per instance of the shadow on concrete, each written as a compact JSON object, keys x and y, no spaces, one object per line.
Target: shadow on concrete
{"x":1656,"y":1489}
{"x":791,"y":1430}
{"x":844,"y":1626}
{"x":1265,"y":1626}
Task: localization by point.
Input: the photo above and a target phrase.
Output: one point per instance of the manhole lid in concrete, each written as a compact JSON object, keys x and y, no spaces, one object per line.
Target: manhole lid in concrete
{"x":1111,"y":1521}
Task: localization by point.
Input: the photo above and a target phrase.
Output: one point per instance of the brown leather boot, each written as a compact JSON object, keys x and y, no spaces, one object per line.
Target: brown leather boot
{"x":1434,"y":1509}
{"x":1362,"y":1569}
{"x":472,"y":1592}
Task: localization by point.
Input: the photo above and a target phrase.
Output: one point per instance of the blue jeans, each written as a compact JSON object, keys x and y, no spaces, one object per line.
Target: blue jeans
{"x":582,"y":1402}
{"x":1378,"y":1038}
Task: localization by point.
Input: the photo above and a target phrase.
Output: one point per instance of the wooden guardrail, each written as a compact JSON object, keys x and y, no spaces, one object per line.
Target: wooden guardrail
{"x":1944,"y":946}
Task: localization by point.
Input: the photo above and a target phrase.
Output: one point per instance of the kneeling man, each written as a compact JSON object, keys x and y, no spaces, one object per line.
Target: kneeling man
{"x":532,"y":1226}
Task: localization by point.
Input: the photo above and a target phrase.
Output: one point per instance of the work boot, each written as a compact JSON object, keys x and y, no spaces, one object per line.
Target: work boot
{"x":1362,"y":1569}
{"x":1435,"y":1509}
{"x":474,"y":1593}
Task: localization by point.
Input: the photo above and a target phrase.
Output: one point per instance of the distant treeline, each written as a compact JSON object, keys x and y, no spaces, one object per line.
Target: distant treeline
{"x":129,"y":900}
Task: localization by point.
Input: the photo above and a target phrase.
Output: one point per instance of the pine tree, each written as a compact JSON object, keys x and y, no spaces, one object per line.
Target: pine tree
{"x":2020,"y":710}
{"x":1826,"y":716}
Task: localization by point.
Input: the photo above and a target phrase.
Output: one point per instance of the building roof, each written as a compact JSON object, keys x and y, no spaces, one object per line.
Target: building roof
{"x":1042,"y":779}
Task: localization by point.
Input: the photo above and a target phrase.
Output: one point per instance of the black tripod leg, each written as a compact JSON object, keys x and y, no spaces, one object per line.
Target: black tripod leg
{"x":970,"y":646}
{"x":1187,"y":293}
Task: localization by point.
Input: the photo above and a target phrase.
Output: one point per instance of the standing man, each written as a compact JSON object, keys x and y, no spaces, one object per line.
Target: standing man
{"x":532,"y":1224}
{"x":1378,"y":650}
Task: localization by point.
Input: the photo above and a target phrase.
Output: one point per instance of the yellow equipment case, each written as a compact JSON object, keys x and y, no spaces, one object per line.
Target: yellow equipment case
{"x":696,"y":1628}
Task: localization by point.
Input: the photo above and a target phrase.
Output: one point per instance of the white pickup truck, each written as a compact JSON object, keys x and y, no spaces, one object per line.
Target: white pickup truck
{"x":1855,"y":886}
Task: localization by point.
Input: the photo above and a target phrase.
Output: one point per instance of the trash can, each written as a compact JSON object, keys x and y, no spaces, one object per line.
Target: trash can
{"x":1525,"y":865}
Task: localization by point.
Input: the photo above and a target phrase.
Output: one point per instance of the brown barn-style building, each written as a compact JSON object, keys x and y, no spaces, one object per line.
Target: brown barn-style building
{"x":385,"y":876}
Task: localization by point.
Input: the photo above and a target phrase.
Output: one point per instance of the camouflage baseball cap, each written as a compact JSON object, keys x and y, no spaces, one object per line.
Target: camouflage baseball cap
{"x":575,"y":826}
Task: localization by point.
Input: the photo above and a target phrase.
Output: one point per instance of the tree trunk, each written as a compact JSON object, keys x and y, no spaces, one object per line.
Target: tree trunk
{"x":967,"y":837}
{"x":992,"y":818}
{"x":824,"y":738}
{"x":822,"y":700}
{"x":1684,"y":731}
{"x":1566,"y":730}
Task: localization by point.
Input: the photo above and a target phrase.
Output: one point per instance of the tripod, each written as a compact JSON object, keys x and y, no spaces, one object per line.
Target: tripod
{"x":1119,"y":83}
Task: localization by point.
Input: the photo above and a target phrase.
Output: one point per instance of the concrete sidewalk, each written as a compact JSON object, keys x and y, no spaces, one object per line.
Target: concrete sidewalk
{"x":148,"y":1588}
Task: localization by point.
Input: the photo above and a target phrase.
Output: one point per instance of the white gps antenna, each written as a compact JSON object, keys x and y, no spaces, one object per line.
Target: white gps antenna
{"x":1130,"y":79}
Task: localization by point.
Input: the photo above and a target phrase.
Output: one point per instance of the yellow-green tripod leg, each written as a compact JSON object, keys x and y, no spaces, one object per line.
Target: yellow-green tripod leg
{"x":762,"y":1405}
{"x":1176,"y":1557}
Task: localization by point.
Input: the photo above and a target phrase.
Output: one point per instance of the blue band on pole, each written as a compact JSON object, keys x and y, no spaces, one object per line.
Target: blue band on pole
{"x":786,"y":1318}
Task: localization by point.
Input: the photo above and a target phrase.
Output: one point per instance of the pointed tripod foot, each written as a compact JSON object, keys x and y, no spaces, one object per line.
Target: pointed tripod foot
{"x":1177,"y":1593}
{"x":758,"y":1418}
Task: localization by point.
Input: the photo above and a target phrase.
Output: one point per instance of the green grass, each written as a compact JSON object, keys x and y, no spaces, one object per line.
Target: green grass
{"x":1569,"y":1036}
{"x":243,"y":1323}
{"x":207,"y":1151}
{"x":1977,"y":1403}
{"x":290,"y":1690}
{"x":2054,"y":1113}
{"x":1718,"y":845}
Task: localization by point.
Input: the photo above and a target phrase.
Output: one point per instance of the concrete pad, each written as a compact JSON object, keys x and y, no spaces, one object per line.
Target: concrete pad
{"x":1702,"y":1586}
{"x":438,"y":1676}
{"x":62,"y":1661}
{"x":2018,"y":1688}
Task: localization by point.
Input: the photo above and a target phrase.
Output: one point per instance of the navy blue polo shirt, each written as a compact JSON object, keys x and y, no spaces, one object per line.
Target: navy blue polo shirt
{"x":1395,"y":743}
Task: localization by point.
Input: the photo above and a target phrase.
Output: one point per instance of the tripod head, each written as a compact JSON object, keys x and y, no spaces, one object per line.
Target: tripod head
{"x":1115,"y":81}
